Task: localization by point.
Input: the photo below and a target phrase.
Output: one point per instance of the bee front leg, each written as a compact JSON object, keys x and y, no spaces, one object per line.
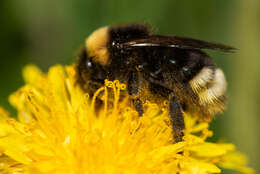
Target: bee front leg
{"x":176,"y":117}
{"x":134,"y":89}
{"x":138,"y":106}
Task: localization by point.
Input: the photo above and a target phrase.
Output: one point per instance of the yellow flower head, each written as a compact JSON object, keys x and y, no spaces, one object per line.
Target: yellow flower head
{"x":58,"y":131}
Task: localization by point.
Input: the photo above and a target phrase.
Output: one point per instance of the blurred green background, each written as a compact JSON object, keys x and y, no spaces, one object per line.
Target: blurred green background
{"x":48,"y":32}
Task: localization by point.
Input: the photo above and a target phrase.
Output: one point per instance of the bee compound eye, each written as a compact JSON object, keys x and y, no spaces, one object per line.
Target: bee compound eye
{"x":88,"y":64}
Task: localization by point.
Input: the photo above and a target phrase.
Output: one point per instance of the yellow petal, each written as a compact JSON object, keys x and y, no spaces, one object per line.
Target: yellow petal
{"x":236,"y":161}
{"x":211,"y":149}
{"x":32,"y":74}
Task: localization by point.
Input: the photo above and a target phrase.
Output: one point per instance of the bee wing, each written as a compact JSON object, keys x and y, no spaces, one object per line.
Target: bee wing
{"x":176,"y":42}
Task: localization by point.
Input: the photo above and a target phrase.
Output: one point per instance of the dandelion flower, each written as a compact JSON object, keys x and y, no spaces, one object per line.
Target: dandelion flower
{"x":57,"y":131}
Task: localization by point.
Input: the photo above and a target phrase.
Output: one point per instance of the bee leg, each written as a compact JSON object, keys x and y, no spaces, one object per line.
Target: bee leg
{"x":138,"y":106}
{"x":177,"y":119}
{"x":134,"y":89}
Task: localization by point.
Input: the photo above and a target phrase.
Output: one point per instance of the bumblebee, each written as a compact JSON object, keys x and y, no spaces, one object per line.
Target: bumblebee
{"x":169,"y":67}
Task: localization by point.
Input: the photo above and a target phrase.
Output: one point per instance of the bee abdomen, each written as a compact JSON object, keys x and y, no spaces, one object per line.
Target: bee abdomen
{"x":210,"y":86}
{"x":216,"y":88}
{"x":202,"y":79}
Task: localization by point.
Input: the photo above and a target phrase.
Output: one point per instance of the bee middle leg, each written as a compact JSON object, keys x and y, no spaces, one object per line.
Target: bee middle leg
{"x":134,"y":90}
{"x":177,"y":119}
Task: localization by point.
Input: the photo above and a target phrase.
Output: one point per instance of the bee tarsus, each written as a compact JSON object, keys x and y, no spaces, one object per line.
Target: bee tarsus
{"x":176,"y":117}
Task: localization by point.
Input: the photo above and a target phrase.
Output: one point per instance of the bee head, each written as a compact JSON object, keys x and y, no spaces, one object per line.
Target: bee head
{"x":88,"y":70}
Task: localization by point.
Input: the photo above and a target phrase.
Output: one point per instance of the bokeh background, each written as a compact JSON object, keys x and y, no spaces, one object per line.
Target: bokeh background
{"x":48,"y":32}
